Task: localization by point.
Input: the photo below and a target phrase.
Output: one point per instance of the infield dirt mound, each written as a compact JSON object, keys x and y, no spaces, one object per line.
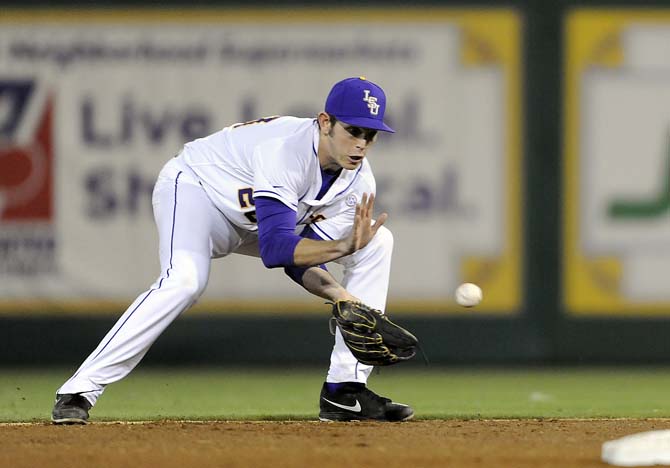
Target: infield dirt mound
{"x":452,"y":443}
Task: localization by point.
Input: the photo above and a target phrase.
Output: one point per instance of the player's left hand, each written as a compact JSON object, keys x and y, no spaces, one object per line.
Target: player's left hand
{"x":371,"y":337}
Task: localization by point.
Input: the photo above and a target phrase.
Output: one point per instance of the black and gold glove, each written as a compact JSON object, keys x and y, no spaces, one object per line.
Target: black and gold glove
{"x":371,"y":337}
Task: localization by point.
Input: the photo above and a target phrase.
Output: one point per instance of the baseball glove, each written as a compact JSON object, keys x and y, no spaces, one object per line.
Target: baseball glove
{"x":371,"y":337}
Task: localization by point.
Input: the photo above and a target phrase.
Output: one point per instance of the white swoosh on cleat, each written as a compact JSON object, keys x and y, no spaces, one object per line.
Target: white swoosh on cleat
{"x":356,"y":408}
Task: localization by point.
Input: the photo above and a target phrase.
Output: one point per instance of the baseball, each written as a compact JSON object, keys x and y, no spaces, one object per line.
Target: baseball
{"x":468,"y":294}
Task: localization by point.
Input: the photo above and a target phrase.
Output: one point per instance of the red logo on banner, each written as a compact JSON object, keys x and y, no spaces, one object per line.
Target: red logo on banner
{"x":26,"y":175}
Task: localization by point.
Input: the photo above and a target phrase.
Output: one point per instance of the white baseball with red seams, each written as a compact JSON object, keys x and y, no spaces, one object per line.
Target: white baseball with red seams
{"x":468,"y":295}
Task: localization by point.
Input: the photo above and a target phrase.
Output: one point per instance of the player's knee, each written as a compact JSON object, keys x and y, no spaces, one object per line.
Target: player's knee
{"x":189,"y":286}
{"x":186,"y":278}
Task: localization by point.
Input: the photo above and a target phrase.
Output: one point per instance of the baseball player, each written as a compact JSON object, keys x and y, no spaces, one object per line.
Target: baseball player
{"x":298,"y":193}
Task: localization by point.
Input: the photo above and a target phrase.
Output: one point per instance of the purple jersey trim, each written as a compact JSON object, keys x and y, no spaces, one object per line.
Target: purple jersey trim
{"x":316,"y":153}
{"x":317,"y":228}
{"x":352,"y":181}
{"x":327,"y":180}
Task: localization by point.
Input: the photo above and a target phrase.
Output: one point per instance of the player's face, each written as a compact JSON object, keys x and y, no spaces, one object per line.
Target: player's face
{"x":347,"y":145}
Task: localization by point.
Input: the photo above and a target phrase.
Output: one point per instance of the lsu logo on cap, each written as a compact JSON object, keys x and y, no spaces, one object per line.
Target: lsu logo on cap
{"x":372,"y":102}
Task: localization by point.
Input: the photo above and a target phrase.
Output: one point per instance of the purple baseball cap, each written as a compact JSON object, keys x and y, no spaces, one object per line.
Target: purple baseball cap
{"x":358,"y":102}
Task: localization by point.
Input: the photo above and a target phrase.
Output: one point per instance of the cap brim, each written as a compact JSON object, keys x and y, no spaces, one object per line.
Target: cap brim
{"x":366,"y":122}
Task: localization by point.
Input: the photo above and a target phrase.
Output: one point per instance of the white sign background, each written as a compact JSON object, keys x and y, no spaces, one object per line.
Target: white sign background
{"x":127,"y":96}
{"x":627,"y":139}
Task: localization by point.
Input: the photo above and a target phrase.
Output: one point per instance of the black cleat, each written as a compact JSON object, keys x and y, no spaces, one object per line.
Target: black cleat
{"x":355,"y":402}
{"x":70,"y":408}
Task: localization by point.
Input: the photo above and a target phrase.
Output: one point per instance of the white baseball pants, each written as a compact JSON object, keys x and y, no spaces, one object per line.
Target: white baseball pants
{"x":192,"y":232}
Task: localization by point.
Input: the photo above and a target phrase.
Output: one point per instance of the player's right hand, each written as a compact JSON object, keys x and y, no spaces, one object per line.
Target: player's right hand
{"x":364,"y":229}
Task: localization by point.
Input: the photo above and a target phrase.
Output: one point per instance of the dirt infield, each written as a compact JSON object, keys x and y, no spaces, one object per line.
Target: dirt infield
{"x":453,"y":443}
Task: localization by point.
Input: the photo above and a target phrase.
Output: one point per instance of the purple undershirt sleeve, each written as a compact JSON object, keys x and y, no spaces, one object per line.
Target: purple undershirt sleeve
{"x":276,"y":237}
{"x":276,"y":227}
{"x":294,"y":272}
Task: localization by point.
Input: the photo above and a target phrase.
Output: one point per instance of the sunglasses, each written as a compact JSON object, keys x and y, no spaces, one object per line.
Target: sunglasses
{"x":368,"y":134}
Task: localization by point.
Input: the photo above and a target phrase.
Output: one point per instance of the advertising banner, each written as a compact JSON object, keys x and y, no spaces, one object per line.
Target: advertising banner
{"x":92,"y":104}
{"x":617,"y":171}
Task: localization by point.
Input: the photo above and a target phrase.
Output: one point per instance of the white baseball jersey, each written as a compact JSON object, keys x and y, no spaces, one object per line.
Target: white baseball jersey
{"x":276,"y":157}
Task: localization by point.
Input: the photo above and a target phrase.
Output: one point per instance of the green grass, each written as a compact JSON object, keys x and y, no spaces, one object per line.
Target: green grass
{"x":434,"y":392}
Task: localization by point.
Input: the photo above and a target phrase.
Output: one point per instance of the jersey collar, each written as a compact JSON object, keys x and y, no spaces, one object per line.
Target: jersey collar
{"x":339,"y":188}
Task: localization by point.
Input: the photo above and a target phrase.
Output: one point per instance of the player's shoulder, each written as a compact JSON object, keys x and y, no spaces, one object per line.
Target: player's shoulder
{"x":268,"y":127}
{"x":283,"y":127}
{"x":288,"y":126}
{"x":289,"y":121}
{"x":296,"y":137}
{"x":302,"y":130}
{"x":294,"y":148}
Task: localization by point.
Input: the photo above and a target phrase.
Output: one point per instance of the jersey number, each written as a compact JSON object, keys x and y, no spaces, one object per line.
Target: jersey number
{"x":246,"y":195}
{"x":246,"y":198}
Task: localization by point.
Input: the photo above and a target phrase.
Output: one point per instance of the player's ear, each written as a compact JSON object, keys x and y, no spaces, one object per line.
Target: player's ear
{"x":325,"y":123}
